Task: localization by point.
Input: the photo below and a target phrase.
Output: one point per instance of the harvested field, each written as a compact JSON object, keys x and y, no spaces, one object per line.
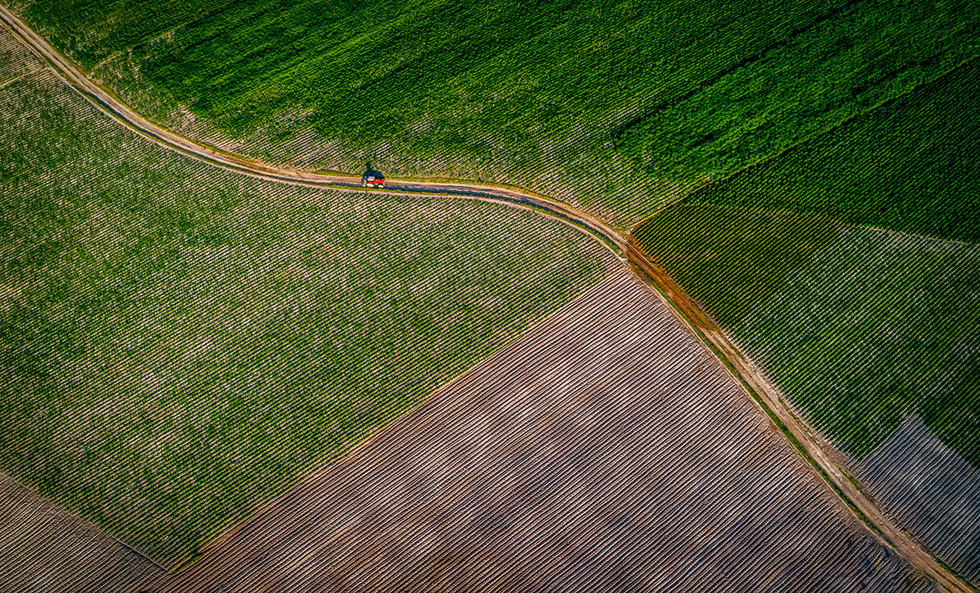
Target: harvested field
{"x":931,"y":490}
{"x":44,"y":549}
{"x":606,"y":450}
{"x":180,"y":343}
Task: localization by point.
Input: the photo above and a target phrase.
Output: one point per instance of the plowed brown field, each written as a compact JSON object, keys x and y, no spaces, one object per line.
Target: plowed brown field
{"x":621,"y":459}
{"x":44,"y":548}
{"x":606,"y":450}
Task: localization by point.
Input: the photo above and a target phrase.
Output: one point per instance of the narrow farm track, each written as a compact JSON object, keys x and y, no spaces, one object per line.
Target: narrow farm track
{"x":681,"y":305}
{"x":113,"y":107}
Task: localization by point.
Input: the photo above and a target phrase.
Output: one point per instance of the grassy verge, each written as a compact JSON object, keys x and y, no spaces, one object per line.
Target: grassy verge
{"x":179,"y":344}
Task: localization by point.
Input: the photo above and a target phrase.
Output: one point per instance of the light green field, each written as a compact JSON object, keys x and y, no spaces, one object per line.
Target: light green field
{"x":617,"y":106}
{"x":179,"y":344}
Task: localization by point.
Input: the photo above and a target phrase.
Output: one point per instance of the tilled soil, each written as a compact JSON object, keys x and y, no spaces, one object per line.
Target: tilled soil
{"x":849,"y":492}
{"x":605,"y":450}
{"x":44,"y":548}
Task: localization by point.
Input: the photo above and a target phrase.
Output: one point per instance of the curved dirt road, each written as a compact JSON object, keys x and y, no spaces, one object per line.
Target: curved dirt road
{"x":768,"y":398}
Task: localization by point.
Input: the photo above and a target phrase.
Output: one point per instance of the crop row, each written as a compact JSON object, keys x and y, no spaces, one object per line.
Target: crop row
{"x":805,"y":75}
{"x":605,"y":450}
{"x":44,"y":548}
{"x":875,"y":328}
{"x":931,"y":490}
{"x":181,"y":343}
{"x":731,"y":259}
{"x":861,"y":329}
{"x":14,"y":60}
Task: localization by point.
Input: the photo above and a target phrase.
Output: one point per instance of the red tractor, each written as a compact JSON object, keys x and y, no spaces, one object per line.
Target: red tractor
{"x":373,"y":179}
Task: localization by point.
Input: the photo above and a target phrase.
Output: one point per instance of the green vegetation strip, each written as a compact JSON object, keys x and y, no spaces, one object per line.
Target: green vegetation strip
{"x":635,"y":102}
{"x":910,"y":166}
{"x":875,"y":328}
{"x":859,"y":327}
{"x":179,"y":343}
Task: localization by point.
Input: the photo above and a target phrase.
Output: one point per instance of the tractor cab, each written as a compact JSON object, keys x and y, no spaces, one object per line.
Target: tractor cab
{"x":373,"y":179}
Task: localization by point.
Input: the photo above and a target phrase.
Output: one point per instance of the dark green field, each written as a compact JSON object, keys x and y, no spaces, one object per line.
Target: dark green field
{"x":908,"y":166}
{"x":180,"y":343}
{"x":860,"y":327}
{"x":731,"y":259}
{"x":631,"y":103}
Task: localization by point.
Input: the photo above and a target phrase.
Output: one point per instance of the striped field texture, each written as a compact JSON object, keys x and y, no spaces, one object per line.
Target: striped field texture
{"x":606,"y":450}
{"x":877,"y":328}
{"x":179,"y":344}
{"x":861,"y":329}
{"x":15,"y":61}
{"x":930,"y":489}
{"x":910,"y":165}
{"x":45,"y":549}
{"x":617,"y":106}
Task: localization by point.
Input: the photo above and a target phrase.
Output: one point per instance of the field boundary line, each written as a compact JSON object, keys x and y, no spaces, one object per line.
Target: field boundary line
{"x":111,"y":105}
{"x":801,"y":437}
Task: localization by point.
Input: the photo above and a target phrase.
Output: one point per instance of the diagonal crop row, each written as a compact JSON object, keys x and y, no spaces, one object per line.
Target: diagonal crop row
{"x":605,"y":449}
{"x":617,"y":108}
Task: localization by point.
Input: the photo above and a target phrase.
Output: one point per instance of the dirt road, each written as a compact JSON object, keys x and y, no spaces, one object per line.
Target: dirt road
{"x":681,"y":304}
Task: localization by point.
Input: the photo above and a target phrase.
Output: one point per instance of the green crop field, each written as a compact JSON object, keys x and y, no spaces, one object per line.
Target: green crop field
{"x":618,"y":106}
{"x":909,"y":166}
{"x":730,"y":259}
{"x":877,"y":327}
{"x":859,"y":327}
{"x":179,"y":344}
